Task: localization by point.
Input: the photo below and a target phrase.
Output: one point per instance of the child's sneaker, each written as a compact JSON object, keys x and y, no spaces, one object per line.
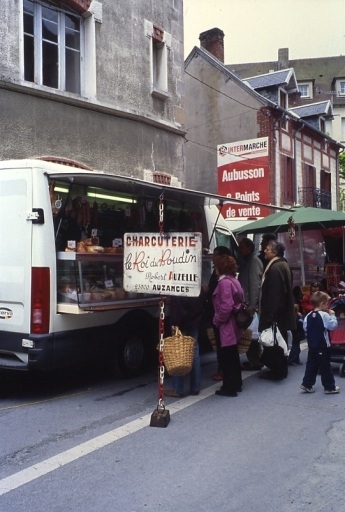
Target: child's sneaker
{"x":332,"y":391}
{"x":307,"y":390}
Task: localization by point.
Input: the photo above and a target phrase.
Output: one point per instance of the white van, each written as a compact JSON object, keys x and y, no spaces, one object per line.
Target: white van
{"x":62,"y":299}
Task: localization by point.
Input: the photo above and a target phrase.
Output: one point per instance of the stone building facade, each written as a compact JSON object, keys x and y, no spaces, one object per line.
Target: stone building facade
{"x":98,"y":82}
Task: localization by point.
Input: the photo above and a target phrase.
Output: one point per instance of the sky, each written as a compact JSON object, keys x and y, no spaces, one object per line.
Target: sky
{"x":255,"y":29}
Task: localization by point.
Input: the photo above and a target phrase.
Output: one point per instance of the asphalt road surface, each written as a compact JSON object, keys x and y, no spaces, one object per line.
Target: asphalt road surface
{"x":82,"y":442}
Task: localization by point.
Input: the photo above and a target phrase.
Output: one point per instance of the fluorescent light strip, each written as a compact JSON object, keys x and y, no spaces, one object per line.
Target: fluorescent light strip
{"x":95,"y":195}
{"x":110,"y":198}
{"x":61,"y":189}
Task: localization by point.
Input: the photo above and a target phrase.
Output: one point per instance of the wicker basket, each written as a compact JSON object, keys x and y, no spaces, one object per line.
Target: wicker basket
{"x":245,"y":341}
{"x":178,"y":354}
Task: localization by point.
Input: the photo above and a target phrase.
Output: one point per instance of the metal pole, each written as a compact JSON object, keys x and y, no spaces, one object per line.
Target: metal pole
{"x":300,"y":242}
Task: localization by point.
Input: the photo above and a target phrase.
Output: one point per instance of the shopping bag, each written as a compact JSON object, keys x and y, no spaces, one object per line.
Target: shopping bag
{"x":272,"y":336}
{"x":254,"y":327}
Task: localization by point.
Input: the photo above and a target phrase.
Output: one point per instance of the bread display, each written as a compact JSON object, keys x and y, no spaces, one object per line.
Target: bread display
{"x":113,"y":250}
{"x":97,"y":280}
{"x":91,"y":241}
{"x":92,"y":245}
{"x":94,"y":248}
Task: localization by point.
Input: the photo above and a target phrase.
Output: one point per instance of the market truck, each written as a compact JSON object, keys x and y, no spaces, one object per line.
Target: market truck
{"x":62,"y":296}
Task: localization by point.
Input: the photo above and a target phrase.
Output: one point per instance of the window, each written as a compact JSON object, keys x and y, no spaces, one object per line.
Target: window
{"x":342,"y":129}
{"x":52,"y":46}
{"x":309,"y":176}
{"x":159,"y":63}
{"x":306,"y":193}
{"x":283,"y":99}
{"x":322,"y":125}
{"x":304,"y":89}
{"x":340,"y":88}
{"x":287,"y":180}
{"x":283,"y":102}
{"x":325,"y":180}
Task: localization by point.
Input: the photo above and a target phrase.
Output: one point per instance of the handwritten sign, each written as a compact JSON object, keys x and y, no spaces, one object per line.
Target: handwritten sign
{"x":168,"y":264}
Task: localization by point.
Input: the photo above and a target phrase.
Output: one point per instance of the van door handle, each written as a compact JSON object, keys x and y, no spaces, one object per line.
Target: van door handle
{"x":36,"y":216}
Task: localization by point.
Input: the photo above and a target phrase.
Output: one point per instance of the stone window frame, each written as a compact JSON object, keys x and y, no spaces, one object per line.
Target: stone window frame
{"x":340,"y":87}
{"x":308,"y":87}
{"x":80,"y":6}
{"x":88,"y":45}
{"x":38,"y":77}
{"x":160,"y":44}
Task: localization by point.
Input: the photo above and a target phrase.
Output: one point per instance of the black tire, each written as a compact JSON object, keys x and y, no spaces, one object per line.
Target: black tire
{"x":130,"y":355}
{"x":135,"y":347}
{"x":342,"y":370}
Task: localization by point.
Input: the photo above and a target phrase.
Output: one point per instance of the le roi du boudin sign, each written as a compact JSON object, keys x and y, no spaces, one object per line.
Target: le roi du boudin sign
{"x":166,"y":264}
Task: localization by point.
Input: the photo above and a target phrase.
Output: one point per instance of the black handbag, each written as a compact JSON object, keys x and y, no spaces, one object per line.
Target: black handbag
{"x":244,"y":315}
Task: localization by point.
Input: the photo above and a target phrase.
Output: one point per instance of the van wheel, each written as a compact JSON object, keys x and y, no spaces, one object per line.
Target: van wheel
{"x":131,"y":355}
{"x":342,"y":370}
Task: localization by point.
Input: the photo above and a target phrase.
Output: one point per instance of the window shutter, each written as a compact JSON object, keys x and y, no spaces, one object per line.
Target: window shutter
{"x":287,"y":179}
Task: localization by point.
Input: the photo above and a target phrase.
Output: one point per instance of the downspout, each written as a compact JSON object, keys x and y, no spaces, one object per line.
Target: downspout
{"x":337,"y":180}
{"x":295,"y":160}
{"x":275,"y":125}
{"x":338,"y":198}
{"x":300,"y":236}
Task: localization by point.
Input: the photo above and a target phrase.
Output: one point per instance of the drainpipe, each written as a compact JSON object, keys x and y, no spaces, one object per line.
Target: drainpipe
{"x":275,"y":125}
{"x":300,"y":237}
{"x":337,"y":182}
{"x":295,"y":159}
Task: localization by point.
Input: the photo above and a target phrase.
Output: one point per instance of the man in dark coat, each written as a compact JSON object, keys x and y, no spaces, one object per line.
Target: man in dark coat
{"x":265,"y":239}
{"x":276,"y":300}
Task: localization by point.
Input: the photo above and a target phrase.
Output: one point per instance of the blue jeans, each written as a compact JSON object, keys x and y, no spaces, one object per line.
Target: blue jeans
{"x":195,"y":374}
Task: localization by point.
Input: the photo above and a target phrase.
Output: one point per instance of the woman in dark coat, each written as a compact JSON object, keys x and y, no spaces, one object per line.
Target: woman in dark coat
{"x":277,"y":301}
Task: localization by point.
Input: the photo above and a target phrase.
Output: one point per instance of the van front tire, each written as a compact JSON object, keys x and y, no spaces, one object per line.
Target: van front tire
{"x":131,"y":356}
{"x":134,"y":354}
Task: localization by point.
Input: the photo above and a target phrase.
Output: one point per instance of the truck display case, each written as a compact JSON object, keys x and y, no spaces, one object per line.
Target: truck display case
{"x":92,"y":282}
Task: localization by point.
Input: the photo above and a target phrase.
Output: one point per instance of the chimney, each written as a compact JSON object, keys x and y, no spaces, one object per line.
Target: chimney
{"x":283,"y":58}
{"x":213,"y":41}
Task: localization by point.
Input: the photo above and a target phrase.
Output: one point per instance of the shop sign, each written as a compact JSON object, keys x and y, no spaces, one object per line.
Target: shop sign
{"x":243,"y":173}
{"x":168,"y":264}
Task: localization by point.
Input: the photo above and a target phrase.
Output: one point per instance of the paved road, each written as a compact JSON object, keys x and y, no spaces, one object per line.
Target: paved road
{"x":89,"y":447}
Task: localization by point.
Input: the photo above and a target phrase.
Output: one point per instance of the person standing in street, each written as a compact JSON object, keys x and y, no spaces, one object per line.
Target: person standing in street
{"x":209,"y":310}
{"x":228,"y":297}
{"x":266,"y":237}
{"x":316,"y":325}
{"x":185,"y":313}
{"x":297,"y":336}
{"x":276,"y":300}
{"x":250,"y":277}
{"x":305,"y":304}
